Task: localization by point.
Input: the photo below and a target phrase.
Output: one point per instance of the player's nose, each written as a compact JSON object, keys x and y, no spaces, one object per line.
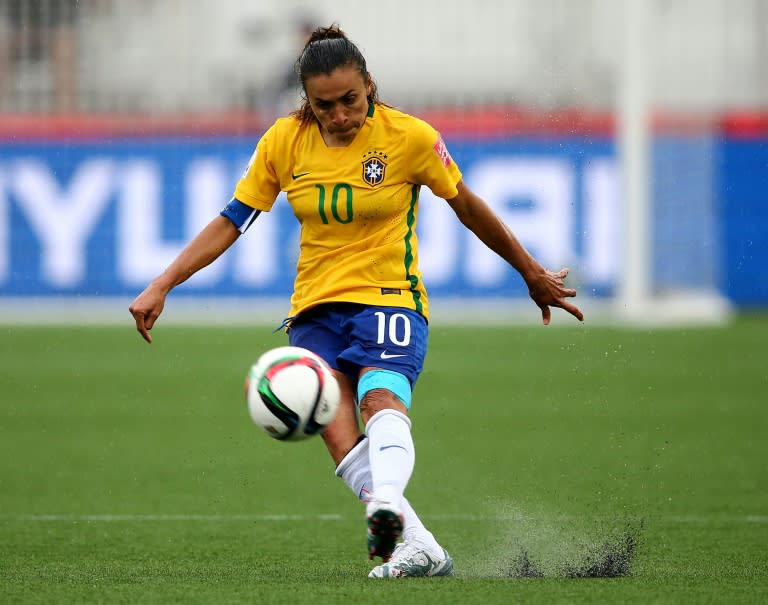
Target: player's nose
{"x":339,"y":116}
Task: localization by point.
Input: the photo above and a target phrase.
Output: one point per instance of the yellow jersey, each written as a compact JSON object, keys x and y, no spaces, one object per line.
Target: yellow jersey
{"x":357,"y":205}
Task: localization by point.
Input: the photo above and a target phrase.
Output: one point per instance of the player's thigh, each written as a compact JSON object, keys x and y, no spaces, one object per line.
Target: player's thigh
{"x":319,"y":331}
{"x":388,"y":338}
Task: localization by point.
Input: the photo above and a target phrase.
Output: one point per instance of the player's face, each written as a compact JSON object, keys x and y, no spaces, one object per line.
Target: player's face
{"x":339,"y":102}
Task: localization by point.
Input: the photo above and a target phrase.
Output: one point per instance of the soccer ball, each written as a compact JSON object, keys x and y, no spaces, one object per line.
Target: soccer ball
{"x":291,"y":393}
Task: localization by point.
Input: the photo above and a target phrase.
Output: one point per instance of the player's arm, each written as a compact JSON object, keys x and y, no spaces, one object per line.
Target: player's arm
{"x":547,"y":289}
{"x":205,"y":248}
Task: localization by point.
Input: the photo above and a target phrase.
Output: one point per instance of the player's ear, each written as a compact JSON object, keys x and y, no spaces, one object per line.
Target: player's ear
{"x":369,"y":87}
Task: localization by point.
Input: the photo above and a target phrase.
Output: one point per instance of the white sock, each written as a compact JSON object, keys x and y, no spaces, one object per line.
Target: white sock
{"x":414,"y":530}
{"x":391,"y":454}
{"x":355,"y":470}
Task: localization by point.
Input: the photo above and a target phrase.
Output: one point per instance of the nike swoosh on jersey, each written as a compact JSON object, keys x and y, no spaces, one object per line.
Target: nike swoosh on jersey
{"x":297,"y":176}
{"x":385,"y":355}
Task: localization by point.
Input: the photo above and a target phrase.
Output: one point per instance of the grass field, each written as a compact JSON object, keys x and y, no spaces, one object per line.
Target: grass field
{"x":131,"y":473}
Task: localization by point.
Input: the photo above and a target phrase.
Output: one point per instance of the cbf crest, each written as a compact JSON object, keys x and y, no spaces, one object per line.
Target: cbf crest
{"x":373,"y":171}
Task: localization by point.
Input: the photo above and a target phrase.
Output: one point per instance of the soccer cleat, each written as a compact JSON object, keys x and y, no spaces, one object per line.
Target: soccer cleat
{"x":385,"y":526}
{"x":412,"y":560}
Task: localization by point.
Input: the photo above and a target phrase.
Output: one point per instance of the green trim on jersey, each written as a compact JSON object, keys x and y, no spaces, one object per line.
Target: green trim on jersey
{"x":410,"y":220}
{"x":371,"y":108}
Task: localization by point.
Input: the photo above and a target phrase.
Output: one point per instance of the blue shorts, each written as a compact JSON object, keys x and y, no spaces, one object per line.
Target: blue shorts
{"x":351,"y":336}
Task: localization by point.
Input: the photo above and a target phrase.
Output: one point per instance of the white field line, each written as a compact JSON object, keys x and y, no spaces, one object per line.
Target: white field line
{"x":234,"y":518}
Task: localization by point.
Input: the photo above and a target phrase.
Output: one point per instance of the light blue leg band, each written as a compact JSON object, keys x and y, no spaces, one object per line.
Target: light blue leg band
{"x":385,"y":379}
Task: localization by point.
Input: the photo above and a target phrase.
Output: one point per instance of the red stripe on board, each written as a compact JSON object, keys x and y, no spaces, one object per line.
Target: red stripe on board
{"x":486,"y":122}
{"x":745,"y":124}
{"x":31,"y":127}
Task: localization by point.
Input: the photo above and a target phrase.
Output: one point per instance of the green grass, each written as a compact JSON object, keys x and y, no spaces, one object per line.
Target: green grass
{"x":131,"y":473}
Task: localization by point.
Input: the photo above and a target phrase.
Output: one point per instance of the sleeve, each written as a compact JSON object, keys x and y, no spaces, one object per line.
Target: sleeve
{"x":259,"y":186}
{"x":430,"y":162}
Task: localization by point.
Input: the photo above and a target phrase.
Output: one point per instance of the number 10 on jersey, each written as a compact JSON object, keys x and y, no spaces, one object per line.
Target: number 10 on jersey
{"x":339,"y":190}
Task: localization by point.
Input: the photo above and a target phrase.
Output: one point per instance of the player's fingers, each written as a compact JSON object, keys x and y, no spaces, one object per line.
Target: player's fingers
{"x":546,"y":314}
{"x":149,"y":322}
{"x":572,"y":309}
{"x":141,"y":327}
{"x":569,"y":292}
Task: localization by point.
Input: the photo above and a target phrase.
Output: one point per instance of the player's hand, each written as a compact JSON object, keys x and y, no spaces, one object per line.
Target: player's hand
{"x":146,"y":309}
{"x":548,"y":290}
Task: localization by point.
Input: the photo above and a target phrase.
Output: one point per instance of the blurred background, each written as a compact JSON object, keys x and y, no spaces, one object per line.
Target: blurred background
{"x":625,"y":139}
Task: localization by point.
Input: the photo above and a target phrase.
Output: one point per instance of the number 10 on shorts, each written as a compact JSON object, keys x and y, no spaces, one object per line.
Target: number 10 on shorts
{"x":397,"y":327}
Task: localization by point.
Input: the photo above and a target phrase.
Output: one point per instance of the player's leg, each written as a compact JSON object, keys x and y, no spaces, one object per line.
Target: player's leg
{"x":355,"y":471}
{"x":391,"y":455}
{"x":384,"y":400}
{"x":387,"y":345}
{"x":320,"y":331}
{"x":343,"y":433}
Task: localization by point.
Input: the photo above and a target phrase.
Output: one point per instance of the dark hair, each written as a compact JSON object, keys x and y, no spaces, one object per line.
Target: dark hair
{"x":327,"y":49}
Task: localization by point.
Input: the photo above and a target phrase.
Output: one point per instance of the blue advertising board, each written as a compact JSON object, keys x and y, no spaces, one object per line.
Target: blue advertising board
{"x":744,"y":221}
{"x":103,"y":219}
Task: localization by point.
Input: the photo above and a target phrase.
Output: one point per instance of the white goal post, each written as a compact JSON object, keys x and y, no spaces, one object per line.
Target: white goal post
{"x":638,"y":298}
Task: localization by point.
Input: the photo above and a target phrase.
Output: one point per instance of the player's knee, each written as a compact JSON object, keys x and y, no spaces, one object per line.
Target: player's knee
{"x":383,"y":389}
{"x":378,"y":400}
{"x":343,"y":431}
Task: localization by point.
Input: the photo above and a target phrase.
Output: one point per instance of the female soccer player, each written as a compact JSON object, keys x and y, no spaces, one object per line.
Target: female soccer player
{"x":352,"y":168}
